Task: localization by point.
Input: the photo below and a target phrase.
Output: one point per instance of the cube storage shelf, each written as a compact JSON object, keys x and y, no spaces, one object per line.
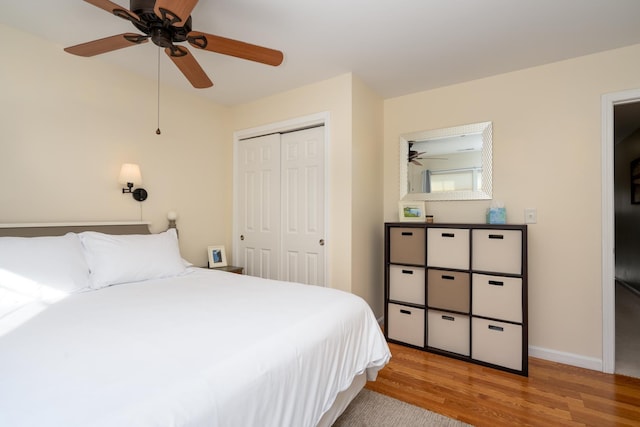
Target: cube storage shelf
{"x":459,"y":290}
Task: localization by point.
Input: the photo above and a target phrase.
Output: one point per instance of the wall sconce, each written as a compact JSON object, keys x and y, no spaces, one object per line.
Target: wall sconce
{"x":172,"y":216}
{"x":130,"y":175}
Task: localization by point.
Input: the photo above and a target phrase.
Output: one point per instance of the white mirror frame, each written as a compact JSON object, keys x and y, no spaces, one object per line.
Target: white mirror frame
{"x":487,"y":141}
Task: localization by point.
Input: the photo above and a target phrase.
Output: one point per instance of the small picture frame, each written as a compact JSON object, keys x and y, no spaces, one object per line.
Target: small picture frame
{"x":217,"y":256}
{"x":412,"y":211}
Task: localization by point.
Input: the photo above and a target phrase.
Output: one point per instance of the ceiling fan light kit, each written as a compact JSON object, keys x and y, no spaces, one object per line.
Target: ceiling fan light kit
{"x":167,"y":22}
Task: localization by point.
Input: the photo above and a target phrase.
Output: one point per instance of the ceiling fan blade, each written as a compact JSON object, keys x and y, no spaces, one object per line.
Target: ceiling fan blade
{"x":115,"y":9}
{"x":176,"y":11}
{"x":106,"y":44}
{"x":185,"y":61}
{"x":235,"y":48}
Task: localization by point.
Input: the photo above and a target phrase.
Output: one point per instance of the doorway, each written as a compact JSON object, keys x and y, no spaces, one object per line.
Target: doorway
{"x":621,"y":305}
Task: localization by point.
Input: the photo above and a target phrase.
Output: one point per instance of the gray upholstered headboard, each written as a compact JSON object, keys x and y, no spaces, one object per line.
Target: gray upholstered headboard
{"x":59,"y":229}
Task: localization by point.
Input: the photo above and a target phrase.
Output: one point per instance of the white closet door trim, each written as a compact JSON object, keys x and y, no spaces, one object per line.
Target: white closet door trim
{"x":283,"y":126}
{"x":322,"y":118}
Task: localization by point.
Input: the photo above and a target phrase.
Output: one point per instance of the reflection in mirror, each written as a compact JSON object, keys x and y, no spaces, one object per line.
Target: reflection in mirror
{"x":447,"y":164}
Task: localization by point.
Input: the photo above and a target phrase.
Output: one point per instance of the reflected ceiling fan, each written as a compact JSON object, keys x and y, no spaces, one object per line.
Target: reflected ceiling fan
{"x":414,"y":155}
{"x":167,"y":22}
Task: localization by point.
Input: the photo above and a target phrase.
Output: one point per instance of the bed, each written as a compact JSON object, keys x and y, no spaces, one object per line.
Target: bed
{"x":108,"y":326}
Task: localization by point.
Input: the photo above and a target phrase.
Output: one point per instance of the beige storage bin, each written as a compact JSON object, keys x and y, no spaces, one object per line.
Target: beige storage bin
{"x":406,"y":284}
{"x":407,"y":245}
{"x":448,"y":248}
{"x":498,"y":343}
{"x":448,"y":331}
{"x":406,"y":324}
{"x":498,"y":251}
{"x":448,"y":290}
{"x":497,"y":297}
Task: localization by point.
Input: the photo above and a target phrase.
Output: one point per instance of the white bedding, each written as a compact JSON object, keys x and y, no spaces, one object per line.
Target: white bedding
{"x":205,"y":349}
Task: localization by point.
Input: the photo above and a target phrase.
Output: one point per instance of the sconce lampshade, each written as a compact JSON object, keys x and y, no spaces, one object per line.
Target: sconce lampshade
{"x":130,"y":172}
{"x":130,"y":176}
{"x":172,"y":216}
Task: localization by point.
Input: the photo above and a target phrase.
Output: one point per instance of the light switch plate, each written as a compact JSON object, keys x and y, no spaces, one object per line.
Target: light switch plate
{"x":530,"y":215}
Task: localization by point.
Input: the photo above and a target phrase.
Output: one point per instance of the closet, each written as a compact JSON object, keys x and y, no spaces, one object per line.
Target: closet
{"x":280,"y":196}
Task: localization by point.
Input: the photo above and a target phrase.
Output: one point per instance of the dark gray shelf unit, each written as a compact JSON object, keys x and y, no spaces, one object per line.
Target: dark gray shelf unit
{"x":423,"y":308}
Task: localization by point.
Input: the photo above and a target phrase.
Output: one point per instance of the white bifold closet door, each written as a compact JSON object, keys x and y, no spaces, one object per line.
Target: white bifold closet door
{"x":280,"y":213}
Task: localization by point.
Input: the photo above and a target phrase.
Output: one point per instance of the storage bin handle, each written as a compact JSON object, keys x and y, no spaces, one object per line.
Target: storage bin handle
{"x":448,"y":318}
{"x":405,"y":312}
{"x":407,"y":271}
{"x":496,"y":283}
{"x":496,"y":236}
{"x":407,"y":233}
{"x":448,"y":235}
{"x":496,"y":328}
{"x":447,"y":277}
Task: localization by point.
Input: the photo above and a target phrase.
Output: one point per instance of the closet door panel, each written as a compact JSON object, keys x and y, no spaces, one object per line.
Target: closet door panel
{"x":302,"y":163}
{"x":259,"y":205}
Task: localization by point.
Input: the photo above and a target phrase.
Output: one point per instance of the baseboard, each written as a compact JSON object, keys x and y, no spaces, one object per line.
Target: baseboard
{"x":566,"y":358}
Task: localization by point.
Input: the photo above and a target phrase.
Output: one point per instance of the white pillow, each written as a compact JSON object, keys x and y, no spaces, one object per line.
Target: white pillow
{"x":40,"y":269}
{"x":126,"y":258}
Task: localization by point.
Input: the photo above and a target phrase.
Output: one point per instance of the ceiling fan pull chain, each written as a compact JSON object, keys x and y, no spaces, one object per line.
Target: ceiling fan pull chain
{"x":158,"y":130}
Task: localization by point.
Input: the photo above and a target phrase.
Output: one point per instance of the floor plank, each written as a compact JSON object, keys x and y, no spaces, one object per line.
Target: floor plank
{"x":553,"y":395}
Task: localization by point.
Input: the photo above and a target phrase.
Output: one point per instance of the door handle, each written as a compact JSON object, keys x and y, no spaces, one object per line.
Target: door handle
{"x":321,"y":242}
{"x":242,"y":237}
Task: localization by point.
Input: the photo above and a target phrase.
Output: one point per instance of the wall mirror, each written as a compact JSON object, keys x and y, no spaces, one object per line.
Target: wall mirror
{"x":447,"y":164}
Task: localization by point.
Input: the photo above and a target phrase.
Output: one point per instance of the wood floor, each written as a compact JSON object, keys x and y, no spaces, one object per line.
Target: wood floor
{"x":552,"y":395}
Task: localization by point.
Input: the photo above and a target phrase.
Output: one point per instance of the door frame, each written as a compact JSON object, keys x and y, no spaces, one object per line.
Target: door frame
{"x":609,"y":101}
{"x":317,"y":119}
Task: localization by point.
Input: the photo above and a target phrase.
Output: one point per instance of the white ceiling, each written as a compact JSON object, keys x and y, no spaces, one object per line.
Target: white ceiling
{"x":395,"y":47}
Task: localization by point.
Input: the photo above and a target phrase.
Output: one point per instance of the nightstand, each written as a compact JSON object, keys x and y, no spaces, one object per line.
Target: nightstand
{"x":230,"y":269}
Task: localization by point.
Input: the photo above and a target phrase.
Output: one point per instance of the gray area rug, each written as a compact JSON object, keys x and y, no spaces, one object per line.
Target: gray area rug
{"x":371,"y":409}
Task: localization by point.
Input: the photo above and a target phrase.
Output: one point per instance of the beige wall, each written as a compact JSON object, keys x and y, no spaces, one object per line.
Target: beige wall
{"x":368,"y":231}
{"x":546,"y":155}
{"x":68,"y":123}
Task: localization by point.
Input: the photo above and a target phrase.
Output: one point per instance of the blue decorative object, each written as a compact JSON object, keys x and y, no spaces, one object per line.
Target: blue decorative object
{"x":497,"y":216}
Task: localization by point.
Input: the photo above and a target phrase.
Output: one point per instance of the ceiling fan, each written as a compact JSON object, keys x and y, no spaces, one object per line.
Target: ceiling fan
{"x":414,"y":155}
{"x":167,"y":22}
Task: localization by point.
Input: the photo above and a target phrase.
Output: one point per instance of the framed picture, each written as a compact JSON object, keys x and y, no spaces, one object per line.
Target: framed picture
{"x":412,"y":211}
{"x":635,"y":181}
{"x":217,"y":256}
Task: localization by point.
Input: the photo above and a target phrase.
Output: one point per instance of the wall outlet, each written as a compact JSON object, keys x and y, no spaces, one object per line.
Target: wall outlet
{"x":530,"y":215}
